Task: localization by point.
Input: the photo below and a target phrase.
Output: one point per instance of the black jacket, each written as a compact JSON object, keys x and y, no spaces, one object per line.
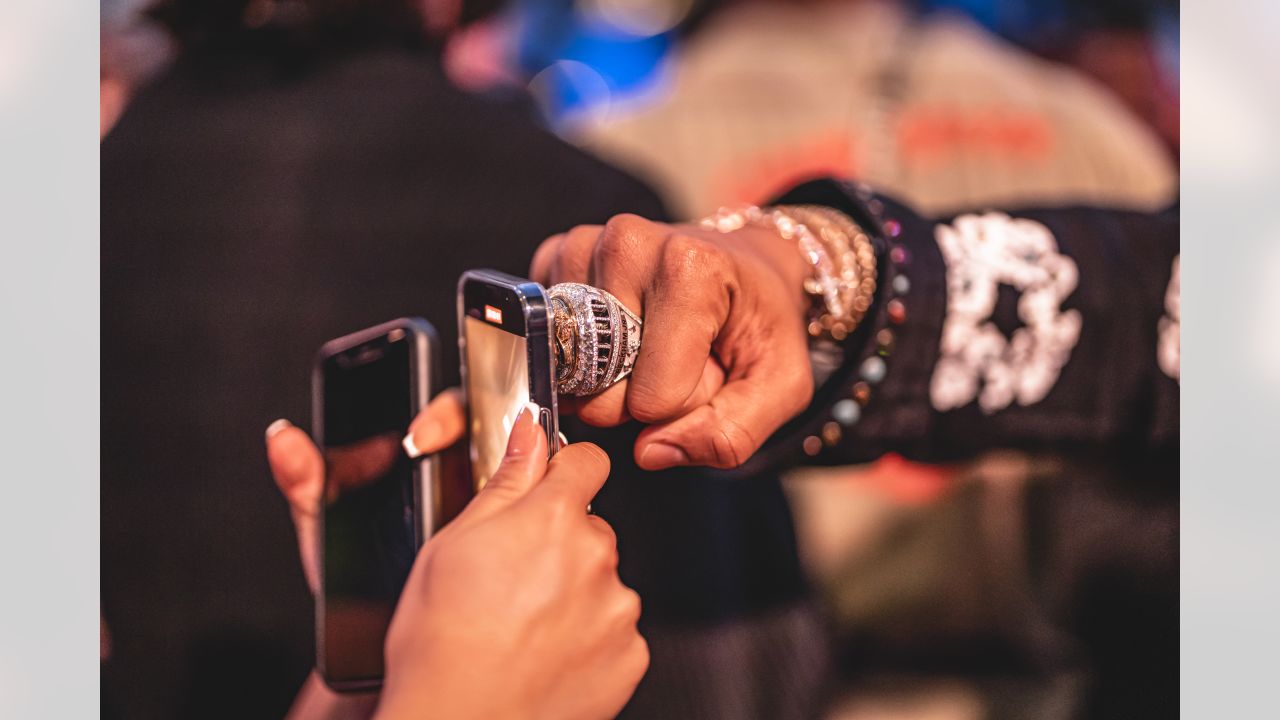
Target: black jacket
{"x":1101,"y":391}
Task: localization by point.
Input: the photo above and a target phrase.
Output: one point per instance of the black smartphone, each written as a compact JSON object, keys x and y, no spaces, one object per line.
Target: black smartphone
{"x":378,"y":505}
{"x":504,"y":333}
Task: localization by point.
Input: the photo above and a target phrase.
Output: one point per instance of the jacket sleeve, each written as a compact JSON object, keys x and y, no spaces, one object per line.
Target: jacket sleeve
{"x":1047,"y":329}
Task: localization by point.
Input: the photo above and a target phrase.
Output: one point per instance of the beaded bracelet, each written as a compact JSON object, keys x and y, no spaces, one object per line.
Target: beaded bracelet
{"x":840,"y":253}
{"x":845,"y":240}
{"x":874,"y":368}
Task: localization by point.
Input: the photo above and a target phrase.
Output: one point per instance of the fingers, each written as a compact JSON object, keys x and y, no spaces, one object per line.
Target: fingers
{"x":731,"y":427}
{"x":440,"y":424}
{"x":575,"y":475}
{"x":568,"y":259}
{"x":359,"y":463}
{"x":604,"y":409}
{"x":678,"y":284}
{"x":543,"y":258}
{"x":621,"y":260}
{"x":609,"y":408}
{"x":622,"y":257}
{"x":602,"y":527}
{"x":689,"y":289}
{"x":685,"y":308}
{"x":296,"y":466}
{"x":522,"y":468}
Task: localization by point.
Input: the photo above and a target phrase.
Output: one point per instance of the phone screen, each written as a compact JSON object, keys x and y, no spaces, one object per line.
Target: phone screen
{"x":369,"y":541}
{"x":497,"y":390}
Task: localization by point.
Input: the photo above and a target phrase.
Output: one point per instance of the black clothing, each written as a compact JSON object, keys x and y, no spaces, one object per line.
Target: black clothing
{"x":1057,"y":597}
{"x":243,"y":224}
{"x":1110,"y":396}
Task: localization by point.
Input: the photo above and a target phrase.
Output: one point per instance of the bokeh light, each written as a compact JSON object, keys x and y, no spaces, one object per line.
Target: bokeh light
{"x":571,"y":91}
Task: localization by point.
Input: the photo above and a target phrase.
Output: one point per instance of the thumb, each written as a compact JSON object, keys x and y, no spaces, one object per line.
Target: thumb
{"x":522,"y":467}
{"x":296,"y":466}
{"x":440,"y":424}
{"x":299,"y":473}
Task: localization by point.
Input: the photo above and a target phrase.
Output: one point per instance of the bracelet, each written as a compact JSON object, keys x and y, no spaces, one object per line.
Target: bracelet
{"x":845,"y":240}
{"x":839,"y":252}
{"x":873,"y":369}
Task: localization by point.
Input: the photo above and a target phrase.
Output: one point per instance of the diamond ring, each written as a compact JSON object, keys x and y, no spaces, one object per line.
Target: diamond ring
{"x":596,"y":338}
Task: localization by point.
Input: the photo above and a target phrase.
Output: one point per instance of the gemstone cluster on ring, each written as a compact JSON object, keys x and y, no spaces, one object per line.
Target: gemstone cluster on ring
{"x":597,"y":339}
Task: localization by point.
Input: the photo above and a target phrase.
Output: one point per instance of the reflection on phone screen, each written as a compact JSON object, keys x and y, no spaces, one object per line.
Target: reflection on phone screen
{"x":497,"y":390}
{"x":369,"y":543}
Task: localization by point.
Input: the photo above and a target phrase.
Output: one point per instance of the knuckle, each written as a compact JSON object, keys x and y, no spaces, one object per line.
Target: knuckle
{"x":638,"y":658}
{"x":649,"y":403}
{"x":605,"y":410}
{"x":604,"y":529}
{"x":631,"y":606}
{"x":546,"y":249}
{"x":574,"y":254}
{"x":445,"y":559}
{"x":687,"y":256}
{"x":567,"y":268}
{"x":604,"y":552}
{"x":499,"y":488}
{"x":800,"y":393}
{"x":586,"y":457}
{"x":292,"y":468}
{"x":732,"y":444}
{"x":620,"y":239}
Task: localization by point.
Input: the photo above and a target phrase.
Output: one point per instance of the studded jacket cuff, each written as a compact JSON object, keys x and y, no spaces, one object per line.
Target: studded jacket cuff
{"x":1040,"y":328}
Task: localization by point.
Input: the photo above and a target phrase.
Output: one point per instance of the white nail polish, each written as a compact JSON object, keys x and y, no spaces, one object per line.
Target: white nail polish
{"x":274,"y":428}
{"x":410,"y":448}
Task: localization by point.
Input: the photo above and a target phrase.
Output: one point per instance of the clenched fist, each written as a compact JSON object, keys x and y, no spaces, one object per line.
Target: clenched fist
{"x":724,"y":362}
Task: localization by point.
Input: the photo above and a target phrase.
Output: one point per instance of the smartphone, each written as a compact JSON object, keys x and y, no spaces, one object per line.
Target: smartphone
{"x":505,"y":335}
{"x":378,"y":506}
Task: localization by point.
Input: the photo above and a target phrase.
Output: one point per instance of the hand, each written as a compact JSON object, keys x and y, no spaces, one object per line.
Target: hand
{"x":515,"y":608}
{"x":724,"y":361}
{"x":299,"y":470}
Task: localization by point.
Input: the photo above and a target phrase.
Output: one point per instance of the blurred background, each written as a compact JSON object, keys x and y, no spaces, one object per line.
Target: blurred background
{"x":597,"y":58}
{"x":1010,"y":586}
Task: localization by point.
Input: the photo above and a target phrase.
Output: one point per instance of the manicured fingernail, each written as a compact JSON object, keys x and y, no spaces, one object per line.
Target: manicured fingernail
{"x":422,"y":434}
{"x":274,"y":428}
{"x":524,"y":433}
{"x":661,"y":455}
{"x":410,"y":448}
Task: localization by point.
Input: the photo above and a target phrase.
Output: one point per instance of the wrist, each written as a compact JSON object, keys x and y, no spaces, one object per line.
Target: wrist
{"x":827,"y":254}
{"x":450,"y":689}
{"x":785,"y":259}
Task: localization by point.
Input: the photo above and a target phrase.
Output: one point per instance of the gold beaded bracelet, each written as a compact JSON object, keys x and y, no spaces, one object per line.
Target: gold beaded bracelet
{"x":837,"y":249}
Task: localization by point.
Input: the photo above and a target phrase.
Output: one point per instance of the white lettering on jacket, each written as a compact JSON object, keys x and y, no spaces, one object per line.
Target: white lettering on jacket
{"x":977,"y":361}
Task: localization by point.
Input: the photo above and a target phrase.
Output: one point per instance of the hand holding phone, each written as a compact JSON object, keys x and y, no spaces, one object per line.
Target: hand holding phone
{"x":378,"y":505}
{"x":559,"y":585}
{"x":298,"y":468}
{"x":516,"y":609}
